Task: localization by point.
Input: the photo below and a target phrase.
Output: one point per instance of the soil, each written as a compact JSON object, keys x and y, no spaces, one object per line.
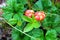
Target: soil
{"x":5,"y":31}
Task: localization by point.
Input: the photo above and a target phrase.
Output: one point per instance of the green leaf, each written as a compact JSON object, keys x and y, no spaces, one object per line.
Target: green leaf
{"x":11,"y":2}
{"x":35,"y":39}
{"x":57,"y":21}
{"x":12,"y":21}
{"x":51,"y":35}
{"x":7,"y":9}
{"x":38,"y":5}
{"x":21,"y":1}
{"x":38,"y":34}
{"x":25,"y":18}
{"x":8,"y":16}
{"x":49,"y":21}
{"x":16,"y":16}
{"x":16,"y":35}
{"x":57,"y":29}
{"x":32,"y":25}
{"x":17,"y":7}
{"x":47,"y":3}
{"x":36,"y":24}
{"x":29,"y":27}
{"x":54,"y":8}
{"x":26,"y":38}
{"x":19,"y":23}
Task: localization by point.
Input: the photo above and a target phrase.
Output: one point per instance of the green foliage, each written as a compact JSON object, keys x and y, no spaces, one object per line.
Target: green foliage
{"x":36,"y":24}
{"x":57,"y":21}
{"x":17,"y":17}
{"x":14,"y":14}
{"x":51,"y":35}
{"x":26,"y":38}
{"x":51,"y":21}
{"x":7,"y":15}
{"x":47,"y":3}
{"x":16,"y":34}
{"x":57,"y":29}
{"x":25,"y":18}
{"x":38,"y":6}
{"x":31,"y":25}
{"x":28,"y":28}
{"x":38,"y":34}
{"x":12,"y":21}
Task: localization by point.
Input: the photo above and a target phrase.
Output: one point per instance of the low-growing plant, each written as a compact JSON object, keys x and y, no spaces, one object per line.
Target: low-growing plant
{"x":32,"y":19}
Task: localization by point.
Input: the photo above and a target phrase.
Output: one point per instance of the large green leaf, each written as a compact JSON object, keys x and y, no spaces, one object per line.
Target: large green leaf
{"x":37,"y":34}
{"x":57,"y":29}
{"x":7,"y":16}
{"x":51,"y":35}
{"x":26,"y":38}
{"x":47,"y":3}
{"x":36,"y":24}
{"x":16,"y":16}
{"x":29,"y":27}
{"x":32,"y":25}
{"x":16,"y":35}
{"x":25,"y":18}
{"x":38,"y":5}
{"x":12,"y":21}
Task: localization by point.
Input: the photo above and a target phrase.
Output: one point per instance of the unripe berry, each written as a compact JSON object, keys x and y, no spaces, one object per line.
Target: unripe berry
{"x":40,"y":15}
{"x":29,"y":13}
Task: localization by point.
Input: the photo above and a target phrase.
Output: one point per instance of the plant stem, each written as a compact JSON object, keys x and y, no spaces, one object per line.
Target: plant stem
{"x":19,"y":30}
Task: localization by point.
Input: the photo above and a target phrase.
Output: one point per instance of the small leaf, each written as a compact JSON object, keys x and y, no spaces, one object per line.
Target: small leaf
{"x":16,"y":16}
{"x":19,"y":23}
{"x":12,"y":21}
{"x":29,"y":27}
{"x":25,"y":18}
